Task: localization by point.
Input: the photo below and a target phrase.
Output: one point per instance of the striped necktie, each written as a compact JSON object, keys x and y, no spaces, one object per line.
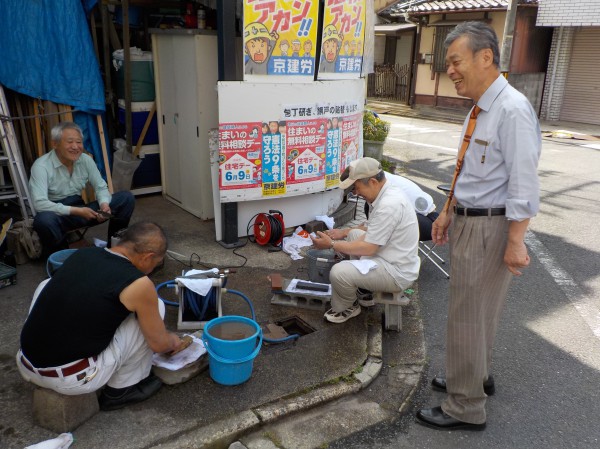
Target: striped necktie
{"x":461,"y":154}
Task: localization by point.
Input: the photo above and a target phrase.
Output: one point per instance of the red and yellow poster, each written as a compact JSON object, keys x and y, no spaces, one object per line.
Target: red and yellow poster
{"x":280,"y":38}
{"x":240,"y":158}
{"x":341,"y":51}
{"x":305,"y":152}
{"x":350,"y":139}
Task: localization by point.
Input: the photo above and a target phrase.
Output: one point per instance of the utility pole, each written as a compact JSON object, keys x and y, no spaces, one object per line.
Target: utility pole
{"x":507,"y":42}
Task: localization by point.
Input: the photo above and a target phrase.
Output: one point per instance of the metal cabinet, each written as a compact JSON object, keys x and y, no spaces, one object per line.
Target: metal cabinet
{"x":186,"y":73}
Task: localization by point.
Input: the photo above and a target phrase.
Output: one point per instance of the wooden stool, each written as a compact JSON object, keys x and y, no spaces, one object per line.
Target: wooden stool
{"x":393,"y":303}
{"x":61,"y":413}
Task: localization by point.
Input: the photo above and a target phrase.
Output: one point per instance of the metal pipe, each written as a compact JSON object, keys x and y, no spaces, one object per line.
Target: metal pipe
{"x":554,"y":67}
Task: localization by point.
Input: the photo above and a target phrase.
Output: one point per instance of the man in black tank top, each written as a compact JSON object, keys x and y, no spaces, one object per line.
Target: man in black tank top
{"x":97,"y":322}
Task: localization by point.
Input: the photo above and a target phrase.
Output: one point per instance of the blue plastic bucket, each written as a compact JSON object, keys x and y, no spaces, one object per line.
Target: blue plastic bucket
{"x":231,"y":349}
{"x":231,"y":361}
{"x":56,"y":260}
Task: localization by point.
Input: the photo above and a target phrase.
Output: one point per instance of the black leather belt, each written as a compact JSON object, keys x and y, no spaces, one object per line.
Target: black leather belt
{"x":68,"y":371}
{"x":474,"y":212}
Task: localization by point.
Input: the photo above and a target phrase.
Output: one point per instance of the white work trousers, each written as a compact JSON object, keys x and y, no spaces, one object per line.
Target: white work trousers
{"x":345,"y":279}
{"x":126,"y":361}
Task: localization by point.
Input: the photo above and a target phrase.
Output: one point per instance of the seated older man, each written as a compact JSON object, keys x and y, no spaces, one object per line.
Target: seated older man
{"x":57,"y":179}
{"x":390,"y":239}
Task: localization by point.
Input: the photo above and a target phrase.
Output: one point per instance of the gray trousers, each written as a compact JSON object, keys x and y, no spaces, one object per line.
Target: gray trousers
{"x":479,"y":282}
{"x":345,"y":279}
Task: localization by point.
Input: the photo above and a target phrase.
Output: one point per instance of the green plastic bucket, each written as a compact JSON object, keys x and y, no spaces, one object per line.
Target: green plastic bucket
{"x":142,"y":74}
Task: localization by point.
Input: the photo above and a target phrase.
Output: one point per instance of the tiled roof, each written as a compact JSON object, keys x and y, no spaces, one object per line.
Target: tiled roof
{"x":449,"y":6}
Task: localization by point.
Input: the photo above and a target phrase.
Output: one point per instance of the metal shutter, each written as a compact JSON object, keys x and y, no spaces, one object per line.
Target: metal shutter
{"x":581,"y":102}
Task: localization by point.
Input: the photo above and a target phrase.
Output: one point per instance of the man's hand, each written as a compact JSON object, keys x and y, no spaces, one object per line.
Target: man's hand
{"x":337,"y":234}
{"x":84,"y":212}
{"x":323,"y":241}
{"x":515,"y":255}
{"x":182,"y":344}
{"x":104,"y":207}
{"x":439,"y":231}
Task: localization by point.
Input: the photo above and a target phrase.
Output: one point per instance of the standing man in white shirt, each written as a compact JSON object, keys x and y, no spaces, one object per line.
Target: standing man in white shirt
{"x":485,"y":219}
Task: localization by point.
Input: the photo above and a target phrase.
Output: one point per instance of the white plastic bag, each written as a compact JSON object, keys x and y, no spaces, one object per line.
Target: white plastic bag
{"x":63,"y":441}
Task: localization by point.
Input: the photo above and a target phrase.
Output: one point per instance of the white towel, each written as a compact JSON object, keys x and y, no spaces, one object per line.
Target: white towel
{"x":199,"y":286}
{"x":364,"y":265}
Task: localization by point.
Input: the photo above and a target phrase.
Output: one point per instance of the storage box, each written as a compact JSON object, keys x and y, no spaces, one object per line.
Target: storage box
{"x":142,"y":74}
{"x":139,"y":113}
{"x":8,"y":275}
{"x":148,"y":173}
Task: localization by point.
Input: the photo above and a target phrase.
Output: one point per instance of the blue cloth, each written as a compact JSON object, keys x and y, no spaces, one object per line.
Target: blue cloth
{"x":47,"y":52}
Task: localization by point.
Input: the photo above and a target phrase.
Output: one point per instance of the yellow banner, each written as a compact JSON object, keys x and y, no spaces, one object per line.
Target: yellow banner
{"x":280,"y":37}
{"x":343,"y":38}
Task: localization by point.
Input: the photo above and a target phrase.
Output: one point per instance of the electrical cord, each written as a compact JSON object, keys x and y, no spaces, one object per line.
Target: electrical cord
{"x":196,"y":257}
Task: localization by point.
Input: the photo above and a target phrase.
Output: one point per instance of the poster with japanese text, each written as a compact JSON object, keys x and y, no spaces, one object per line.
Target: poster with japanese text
{"x":305,"y":155}
{"x":333,"y":151}
{"x":280,"y":39}
{"x":343,"y":39}
{"x":286,"y":139}
{"x":273,"y":158}
{"x":240,"y":158}
{"x":351,"y":134}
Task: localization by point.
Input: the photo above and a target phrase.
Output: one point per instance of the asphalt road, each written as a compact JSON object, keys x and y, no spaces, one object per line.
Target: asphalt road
{"x":547,"y":353}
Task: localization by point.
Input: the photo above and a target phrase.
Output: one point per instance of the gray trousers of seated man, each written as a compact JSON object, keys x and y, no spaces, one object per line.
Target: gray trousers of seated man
{"x":345,"y":279}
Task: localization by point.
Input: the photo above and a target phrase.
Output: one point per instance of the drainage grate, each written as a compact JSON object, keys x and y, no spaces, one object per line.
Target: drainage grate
{"x":295,"y":325}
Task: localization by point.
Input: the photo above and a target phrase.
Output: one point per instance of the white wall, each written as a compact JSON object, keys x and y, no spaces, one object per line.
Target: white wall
{"x":403,"y":49}
{"x":379,"y":49}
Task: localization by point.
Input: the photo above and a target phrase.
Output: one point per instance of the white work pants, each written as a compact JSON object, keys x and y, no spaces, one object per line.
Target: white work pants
{"x":126,"y":361}
{"x":345,"y":279}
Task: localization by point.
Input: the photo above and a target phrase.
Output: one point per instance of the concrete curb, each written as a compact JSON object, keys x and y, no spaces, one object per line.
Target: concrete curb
{"x":222,"y":433}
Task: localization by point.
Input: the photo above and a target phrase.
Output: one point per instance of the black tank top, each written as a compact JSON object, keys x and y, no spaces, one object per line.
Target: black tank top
{"x":78,"y":311}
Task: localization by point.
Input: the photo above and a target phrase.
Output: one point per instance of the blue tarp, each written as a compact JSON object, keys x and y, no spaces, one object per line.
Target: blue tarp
{"x":46,"y":52}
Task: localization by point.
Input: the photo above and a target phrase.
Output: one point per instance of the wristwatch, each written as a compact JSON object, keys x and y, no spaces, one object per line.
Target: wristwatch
{"x":332,"y":243}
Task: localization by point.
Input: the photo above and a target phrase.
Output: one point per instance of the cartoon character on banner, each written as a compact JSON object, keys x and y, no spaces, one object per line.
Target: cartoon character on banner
{"x":332,"y":44}
{"x":259,"y":45}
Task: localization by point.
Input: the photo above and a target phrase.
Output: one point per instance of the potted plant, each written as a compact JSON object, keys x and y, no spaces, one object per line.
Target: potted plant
{"x":375,"y":131}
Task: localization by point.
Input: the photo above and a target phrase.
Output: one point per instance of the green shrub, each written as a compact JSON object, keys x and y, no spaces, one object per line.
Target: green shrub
{"x":374,"y":128}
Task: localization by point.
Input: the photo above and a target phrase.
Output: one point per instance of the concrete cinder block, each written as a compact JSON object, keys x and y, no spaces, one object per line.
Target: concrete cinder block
{"x":314,"y":226}
{"x":61,"y":413}
{"x":181,"y":375}
{"x":393,"y":303}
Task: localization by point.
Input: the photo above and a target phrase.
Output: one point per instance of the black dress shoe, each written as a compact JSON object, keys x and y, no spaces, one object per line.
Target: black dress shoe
{"x":116,"y":398}
{"x":437,"y":419}
{"x":439,"y":384}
